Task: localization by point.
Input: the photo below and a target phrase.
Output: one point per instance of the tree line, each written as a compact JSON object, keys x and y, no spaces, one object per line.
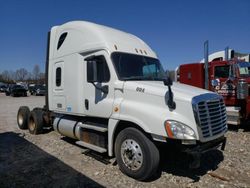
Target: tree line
{"x":23,"y":75}
{"x":36,"y":76}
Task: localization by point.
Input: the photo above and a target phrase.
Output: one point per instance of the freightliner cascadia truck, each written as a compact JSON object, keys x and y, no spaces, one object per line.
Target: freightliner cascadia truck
{"x":229,"y":75}
{"x":107,"y":89}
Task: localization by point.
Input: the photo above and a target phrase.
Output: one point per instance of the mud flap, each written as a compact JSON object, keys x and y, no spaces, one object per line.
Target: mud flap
{"x":223,"y":144}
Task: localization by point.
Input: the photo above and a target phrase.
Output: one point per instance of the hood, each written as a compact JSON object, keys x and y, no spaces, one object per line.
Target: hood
{"x":157,"y":88}
{"x":146,"y":104}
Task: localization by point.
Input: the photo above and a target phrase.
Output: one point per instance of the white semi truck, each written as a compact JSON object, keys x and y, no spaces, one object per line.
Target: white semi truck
{"x":107,"y":89}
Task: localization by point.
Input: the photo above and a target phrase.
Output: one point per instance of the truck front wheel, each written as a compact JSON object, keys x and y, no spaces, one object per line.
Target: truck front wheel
{"x":136,"y":155}
{"x":35,"y":124}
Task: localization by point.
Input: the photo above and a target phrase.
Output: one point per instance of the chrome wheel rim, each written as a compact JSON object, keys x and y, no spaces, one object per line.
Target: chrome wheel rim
{"x":131,"y":154}
{"x":20,"y":119}
{"x":32,"y":124}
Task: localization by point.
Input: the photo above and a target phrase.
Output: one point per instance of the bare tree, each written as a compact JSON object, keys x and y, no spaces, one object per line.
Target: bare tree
{"x":1,"y":78}
{"x":172,"y":74}
{"x":29,"y":76}
{"x":36,"y":72}
{"x":21,"y":74}
{"x":6,"y":76}
{"x":42,"y":77}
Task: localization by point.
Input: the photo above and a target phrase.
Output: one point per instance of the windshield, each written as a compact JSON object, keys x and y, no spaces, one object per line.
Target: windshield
{"x":137,"y":67}
{"x":244,"y":69}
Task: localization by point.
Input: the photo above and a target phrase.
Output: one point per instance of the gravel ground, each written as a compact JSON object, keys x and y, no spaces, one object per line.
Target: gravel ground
{"x":51,"y":160}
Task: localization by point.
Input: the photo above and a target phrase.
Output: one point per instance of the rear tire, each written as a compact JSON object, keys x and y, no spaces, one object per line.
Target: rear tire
{"x":24,"y":94}
{"x":136,"y":155}
{"x":23,"y":117}
{"x":36,"y":122}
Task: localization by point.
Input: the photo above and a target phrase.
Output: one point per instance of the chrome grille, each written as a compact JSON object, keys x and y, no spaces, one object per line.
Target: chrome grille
{"x":210,"y":115}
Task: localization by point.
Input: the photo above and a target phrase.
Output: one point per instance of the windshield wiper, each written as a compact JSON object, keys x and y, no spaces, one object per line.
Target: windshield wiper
{"x":133,"y":78}
{"x":142,"y":78}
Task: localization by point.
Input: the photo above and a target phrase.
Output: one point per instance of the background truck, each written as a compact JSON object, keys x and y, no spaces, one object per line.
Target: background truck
{"x":107,"y":89}
{"x":228,"y":75}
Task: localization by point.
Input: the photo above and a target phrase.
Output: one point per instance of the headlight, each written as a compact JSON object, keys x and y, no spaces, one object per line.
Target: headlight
{"x":178,"y":130}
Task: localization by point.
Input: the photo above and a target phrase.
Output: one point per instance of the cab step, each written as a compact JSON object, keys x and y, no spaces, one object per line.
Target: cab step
{"x":95,"y":126}
{"x":233,"y":111}
{"x":233,"y":115}
{"x":91,"y":146}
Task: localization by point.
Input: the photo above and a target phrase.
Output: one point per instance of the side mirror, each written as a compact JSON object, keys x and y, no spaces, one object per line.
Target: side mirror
{"x":168,"y":81}
{"x":92,"y":76}
{"x":94,"y":64}
{"x":92,"y":71}
{"x":214,"y":83}
{"x":105,"y":89}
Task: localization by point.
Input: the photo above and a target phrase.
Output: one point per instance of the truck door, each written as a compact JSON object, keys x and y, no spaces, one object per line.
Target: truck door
{"x":58,"y":97}
{"x":97,"y":102}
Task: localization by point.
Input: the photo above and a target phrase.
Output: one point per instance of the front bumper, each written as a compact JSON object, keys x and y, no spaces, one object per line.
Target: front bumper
{"x":204,"y":147}
{"x":200,"y":148}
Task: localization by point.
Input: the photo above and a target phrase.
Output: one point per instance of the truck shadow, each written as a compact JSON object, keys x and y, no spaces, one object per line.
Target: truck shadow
{"x":23,"y":164}
{"x":172,"y":161}
{"x":101,"y":157}
{"x":233,"y":128}
{"x":244,"y":126}
{"x":177,"y":163}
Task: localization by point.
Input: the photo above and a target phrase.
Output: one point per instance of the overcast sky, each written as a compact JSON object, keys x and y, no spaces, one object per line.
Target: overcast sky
{"x":175,"y":29}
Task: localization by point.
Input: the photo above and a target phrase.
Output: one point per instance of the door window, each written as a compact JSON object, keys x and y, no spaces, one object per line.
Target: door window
{"x":103,"y":74}
{"x":58,"y":76}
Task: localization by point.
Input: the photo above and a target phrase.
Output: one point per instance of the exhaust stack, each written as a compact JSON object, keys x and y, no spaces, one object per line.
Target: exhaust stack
{"x":206,"y":64}
{"x":226,"y":53}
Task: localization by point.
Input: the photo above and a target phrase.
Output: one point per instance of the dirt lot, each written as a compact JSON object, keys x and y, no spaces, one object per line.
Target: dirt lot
{"x":51,"y":160}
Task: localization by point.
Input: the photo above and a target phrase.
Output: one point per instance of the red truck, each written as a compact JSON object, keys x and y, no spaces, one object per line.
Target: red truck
{"x":228,"y":73}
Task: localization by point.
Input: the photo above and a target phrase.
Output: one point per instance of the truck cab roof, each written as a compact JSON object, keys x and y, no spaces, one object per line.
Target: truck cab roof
{"x":83,"y":37}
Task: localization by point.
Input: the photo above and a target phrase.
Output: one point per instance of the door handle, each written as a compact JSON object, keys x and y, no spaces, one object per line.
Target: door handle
{"x":86,"y":104}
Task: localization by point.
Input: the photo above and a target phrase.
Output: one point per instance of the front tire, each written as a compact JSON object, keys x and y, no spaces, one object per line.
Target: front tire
{"x":23,"y":117}
{"x":136,"y":155}
{"x":36,"y":122}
